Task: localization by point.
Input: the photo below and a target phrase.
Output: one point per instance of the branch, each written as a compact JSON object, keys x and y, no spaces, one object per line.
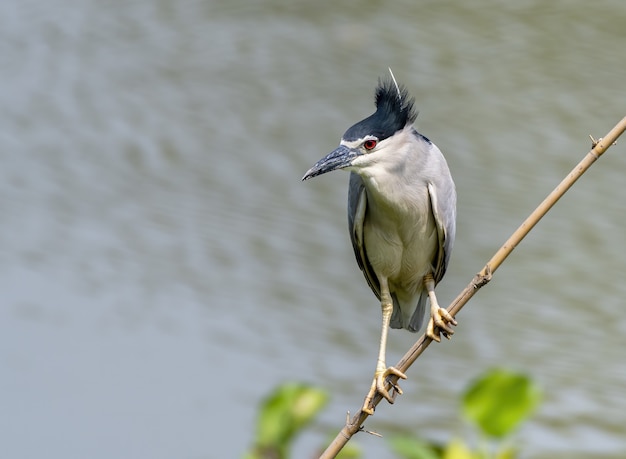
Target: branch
{"x":484,"y":276}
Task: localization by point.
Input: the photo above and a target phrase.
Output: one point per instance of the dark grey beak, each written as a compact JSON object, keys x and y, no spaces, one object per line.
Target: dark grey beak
{"x":338,"y":159}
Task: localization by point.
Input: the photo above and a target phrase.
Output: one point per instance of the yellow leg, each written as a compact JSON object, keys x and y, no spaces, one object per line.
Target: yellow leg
{"x":440,"y":319}
{"x":382,"y":371}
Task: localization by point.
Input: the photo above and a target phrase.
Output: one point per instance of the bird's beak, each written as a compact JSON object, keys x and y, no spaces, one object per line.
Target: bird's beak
{"x":337,"y":159}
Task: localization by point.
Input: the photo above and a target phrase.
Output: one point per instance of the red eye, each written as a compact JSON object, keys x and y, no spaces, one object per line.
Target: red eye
{"x":369,"y":144}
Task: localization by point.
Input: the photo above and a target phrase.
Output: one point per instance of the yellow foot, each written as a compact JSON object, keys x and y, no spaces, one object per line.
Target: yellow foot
{"x":378,"y":387}
{"x":440,"y":321}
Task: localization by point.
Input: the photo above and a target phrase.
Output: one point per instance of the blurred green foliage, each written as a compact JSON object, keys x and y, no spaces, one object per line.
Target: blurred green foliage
{"x":496,"y":403}
{"x":410,"y":447}
{"x":282,"y":416}
{"x":499,"y":400}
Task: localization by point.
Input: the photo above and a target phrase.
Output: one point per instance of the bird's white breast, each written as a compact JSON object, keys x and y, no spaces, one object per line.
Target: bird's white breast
{"x":400,"y":234}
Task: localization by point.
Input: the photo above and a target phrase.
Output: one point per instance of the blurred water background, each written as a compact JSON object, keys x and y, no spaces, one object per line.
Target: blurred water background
{"x":162,"y":267}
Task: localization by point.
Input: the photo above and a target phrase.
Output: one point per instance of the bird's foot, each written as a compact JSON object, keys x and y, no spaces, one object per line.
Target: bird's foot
{"x":378,"y":387}
{"x":439,"y":323}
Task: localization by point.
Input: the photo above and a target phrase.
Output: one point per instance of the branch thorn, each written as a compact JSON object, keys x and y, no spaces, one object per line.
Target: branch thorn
{"x":376,"y":434}
{"x":595,"y":142}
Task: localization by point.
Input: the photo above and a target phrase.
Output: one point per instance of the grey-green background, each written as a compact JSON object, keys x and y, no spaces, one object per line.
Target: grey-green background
{"x":162,"y":267}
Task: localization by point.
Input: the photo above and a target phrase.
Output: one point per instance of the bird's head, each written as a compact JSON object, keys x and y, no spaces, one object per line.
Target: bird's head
{"x":375,"y":136}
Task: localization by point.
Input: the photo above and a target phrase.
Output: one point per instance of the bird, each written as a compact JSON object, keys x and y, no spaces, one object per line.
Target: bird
{"x":401,"y":218}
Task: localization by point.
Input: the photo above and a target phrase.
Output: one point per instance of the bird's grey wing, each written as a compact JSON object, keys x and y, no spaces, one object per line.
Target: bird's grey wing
{"x":443,"y":207}
{"x":357,"y":206}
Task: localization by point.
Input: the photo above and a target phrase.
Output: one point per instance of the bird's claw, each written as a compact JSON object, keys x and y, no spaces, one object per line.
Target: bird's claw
{"x":378,"y":387}
{"x":439,"y":323}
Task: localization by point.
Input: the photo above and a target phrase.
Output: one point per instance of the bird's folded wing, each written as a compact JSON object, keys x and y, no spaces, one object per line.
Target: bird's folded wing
{"x":357,"y":205}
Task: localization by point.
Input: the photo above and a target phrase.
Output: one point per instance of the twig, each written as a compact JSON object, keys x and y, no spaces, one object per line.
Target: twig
{"x":484,"y":276}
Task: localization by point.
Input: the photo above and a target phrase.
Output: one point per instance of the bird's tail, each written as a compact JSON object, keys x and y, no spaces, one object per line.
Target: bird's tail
{"x":413,"y":322}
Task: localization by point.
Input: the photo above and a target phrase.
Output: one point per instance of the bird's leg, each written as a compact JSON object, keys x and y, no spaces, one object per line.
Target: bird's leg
{"x":382,"y":371}
{"x":440,"y":319}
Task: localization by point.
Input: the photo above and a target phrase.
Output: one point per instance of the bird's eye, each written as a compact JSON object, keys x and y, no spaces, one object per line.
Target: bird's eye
{"x":369,"y":144}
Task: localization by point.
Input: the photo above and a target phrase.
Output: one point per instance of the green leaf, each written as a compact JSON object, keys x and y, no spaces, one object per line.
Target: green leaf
{"x":509,"y":452}
{"x":412,"y":448}
{"x":284,"y":413}
{"x":457,"y":449}
{"x":500,"y":400}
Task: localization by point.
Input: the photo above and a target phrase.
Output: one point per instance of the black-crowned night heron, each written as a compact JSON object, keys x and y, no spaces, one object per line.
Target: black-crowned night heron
{"x":401,"y":216}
